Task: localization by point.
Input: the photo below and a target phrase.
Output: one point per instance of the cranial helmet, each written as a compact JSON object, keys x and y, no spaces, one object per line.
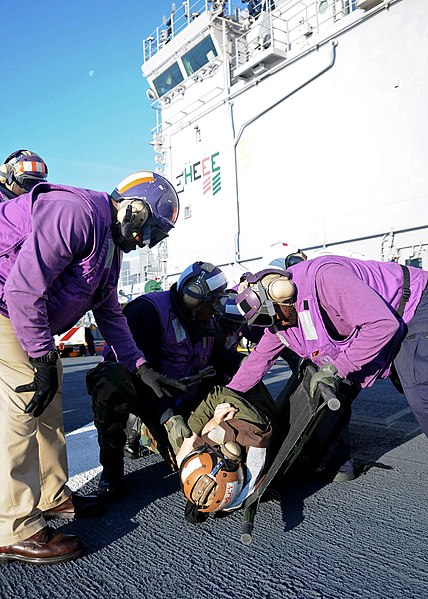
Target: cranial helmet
{"x":22,"y":170}
{"x":283,"y":255}
{"x":212,"y":478}
{"x":290,"y":260}
{"x":203,"y":282}
{"x":258,"y":294}
{"x":148,"y":208}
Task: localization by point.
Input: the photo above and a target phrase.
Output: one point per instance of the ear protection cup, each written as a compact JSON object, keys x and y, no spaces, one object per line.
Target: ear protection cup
{"x":201,"y":281}
{"x":132,"y":214}
{"x":279,"y":289}
{"x":232,"y":451}
{"x":192,"y":295}
{"x":5,"y":171}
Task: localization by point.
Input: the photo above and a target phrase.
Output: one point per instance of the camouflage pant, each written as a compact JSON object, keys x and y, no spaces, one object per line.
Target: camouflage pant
{"x":117,"y":393}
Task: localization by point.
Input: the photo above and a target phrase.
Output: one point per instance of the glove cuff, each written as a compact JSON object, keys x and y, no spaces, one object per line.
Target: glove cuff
{"x":49,"y":359}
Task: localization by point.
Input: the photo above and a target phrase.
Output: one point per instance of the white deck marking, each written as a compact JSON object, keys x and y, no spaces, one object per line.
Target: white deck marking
{"x":83,"y":455}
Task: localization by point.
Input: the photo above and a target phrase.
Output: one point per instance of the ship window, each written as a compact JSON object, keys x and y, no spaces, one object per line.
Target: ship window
{"x":199,"y":55}
{"x":322,"y":6}
{"x":168,"y":79}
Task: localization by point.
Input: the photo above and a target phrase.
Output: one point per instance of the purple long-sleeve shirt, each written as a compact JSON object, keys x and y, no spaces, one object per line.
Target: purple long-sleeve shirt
{"x":57,"y":261}
{"x":350,"y":308}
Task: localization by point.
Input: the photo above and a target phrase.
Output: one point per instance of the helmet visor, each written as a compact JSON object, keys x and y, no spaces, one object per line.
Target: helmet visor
{"x":27,"y":182}
{"x":255,"y":306}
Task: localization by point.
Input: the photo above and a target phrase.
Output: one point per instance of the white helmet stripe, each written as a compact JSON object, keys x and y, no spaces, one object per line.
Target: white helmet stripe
{"x":216,"y":281}
{"x":187,"y":271}
{"x":135,"y":179}
{"x":33,"y":166}
{"x":191,"y":467}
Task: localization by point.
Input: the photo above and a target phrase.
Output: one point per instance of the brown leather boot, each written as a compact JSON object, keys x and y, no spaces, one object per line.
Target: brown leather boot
{"x":45,"y":547}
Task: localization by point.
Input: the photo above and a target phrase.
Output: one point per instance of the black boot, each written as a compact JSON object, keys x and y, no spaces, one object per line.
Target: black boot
{"x":111,"y":483}
{"x":132,"y":449}
{"x":133,"y":434}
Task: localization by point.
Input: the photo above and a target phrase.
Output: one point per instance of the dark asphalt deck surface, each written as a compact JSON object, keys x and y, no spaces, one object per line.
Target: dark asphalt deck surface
{"x":355,"y":540}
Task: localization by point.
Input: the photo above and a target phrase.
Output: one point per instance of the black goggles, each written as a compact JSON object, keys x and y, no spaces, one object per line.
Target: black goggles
{"x":151,"y":235}
{"x":216,"y":301}
{"x":27,"y":183}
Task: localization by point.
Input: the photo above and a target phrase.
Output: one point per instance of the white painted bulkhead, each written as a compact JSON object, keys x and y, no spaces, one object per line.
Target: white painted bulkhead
{"x":328,"y":150}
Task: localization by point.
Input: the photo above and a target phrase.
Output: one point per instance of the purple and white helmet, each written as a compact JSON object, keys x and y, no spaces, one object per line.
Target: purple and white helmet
{"x":155,"y":197}
{"x":203,"y":282}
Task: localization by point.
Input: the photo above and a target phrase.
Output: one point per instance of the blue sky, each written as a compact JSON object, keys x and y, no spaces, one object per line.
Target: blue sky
{"x":72,"y":88}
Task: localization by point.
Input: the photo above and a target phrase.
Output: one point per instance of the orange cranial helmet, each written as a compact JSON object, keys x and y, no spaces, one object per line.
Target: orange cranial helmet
{"x":212,"y":478}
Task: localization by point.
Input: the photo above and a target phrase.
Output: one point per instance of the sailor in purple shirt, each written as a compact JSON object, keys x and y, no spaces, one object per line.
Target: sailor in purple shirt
{"x":355,"y":319}
{"x":20,"y":172}
{"x":60,"y":256}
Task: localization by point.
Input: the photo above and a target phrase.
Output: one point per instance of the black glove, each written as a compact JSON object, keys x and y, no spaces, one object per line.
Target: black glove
{"x":158,"y":382}
{"x":45,"y":383}
{"x":327,"y":375}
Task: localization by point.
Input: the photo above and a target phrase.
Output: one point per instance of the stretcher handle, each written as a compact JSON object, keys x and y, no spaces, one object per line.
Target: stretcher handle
{"x":248,"y":524}
{"x":329,"y":397}
{"x":195,"y":379}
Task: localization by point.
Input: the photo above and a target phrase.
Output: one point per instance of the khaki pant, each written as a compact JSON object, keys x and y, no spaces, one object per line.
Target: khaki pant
{"x":33,"y":458}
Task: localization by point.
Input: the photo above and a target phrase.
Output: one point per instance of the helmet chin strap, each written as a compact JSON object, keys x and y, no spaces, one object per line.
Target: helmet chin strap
{"x":147,"y":234}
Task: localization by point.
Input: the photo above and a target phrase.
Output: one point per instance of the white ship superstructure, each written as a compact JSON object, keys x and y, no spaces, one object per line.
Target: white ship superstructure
{"x":306,"y":124}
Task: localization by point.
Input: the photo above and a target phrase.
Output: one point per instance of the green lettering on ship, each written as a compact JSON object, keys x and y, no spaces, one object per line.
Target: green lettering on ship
{"x":207,"y":170}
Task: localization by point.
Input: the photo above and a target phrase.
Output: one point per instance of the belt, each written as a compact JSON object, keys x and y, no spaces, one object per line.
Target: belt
{"x":415,"y":335}
{"x":406,"y":291}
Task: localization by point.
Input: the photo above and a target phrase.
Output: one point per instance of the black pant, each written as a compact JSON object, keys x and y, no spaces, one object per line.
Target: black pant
{"x":89,"y":338}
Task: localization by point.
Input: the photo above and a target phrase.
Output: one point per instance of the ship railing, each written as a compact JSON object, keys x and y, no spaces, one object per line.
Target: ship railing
{"x":180,"y":17}
{"x":286,"y":25}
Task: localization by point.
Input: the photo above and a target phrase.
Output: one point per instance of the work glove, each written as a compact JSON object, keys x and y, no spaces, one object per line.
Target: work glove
{"x":45,"y":383}
{"x":327,"y":375}
{"x":159,"y":382}
{"x":177,"y":430}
